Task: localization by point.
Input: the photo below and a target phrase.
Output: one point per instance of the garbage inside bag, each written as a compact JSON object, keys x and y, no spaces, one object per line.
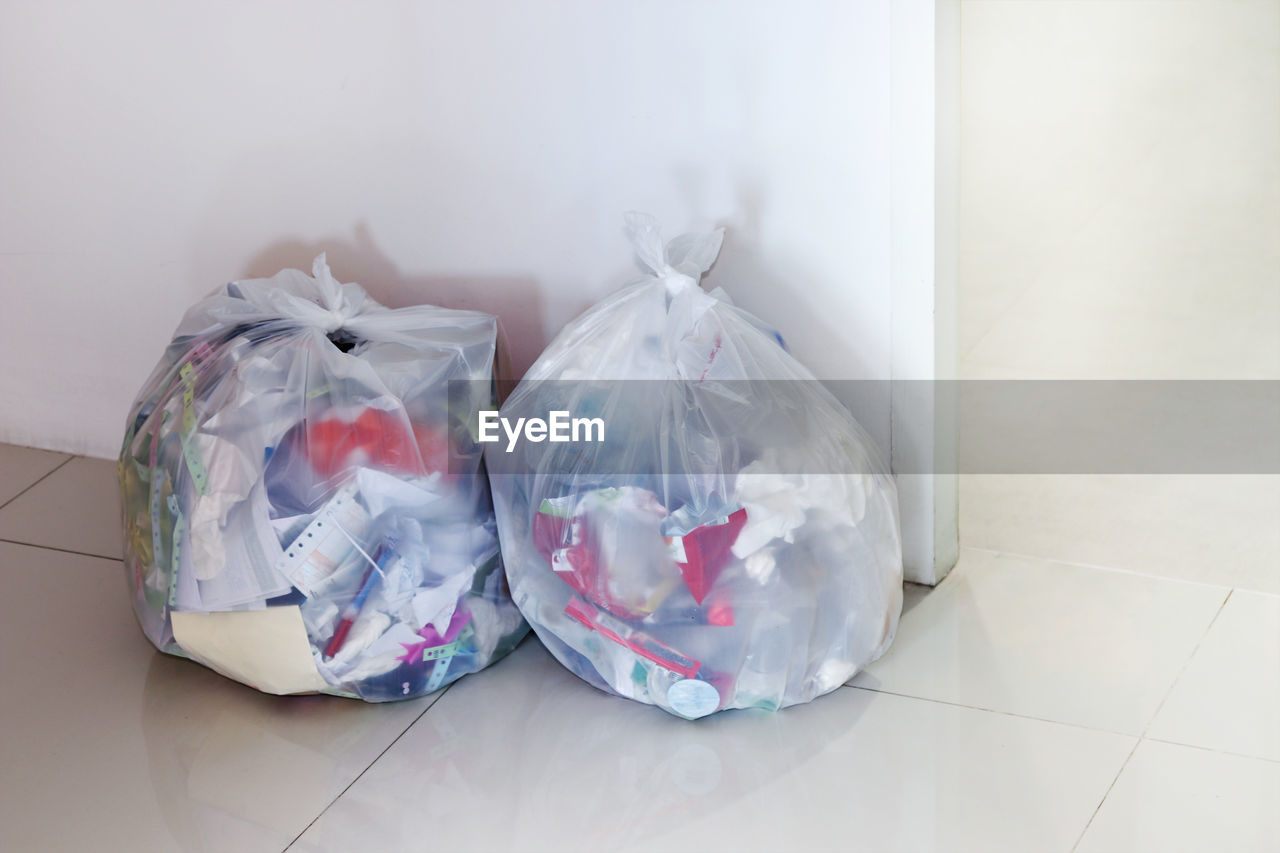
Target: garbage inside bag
{"x":732,"y":540}
{"x":304,"y":506}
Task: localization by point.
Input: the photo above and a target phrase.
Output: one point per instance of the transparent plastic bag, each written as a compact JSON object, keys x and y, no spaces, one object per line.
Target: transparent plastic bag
{"x":304,"y":507}
{"x":732,"y":540}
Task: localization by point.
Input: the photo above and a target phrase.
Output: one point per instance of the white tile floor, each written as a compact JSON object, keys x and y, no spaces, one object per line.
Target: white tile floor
{"x":1120,"y":219}
{"x":1101,"y":672}
{"x":1026,"y":705}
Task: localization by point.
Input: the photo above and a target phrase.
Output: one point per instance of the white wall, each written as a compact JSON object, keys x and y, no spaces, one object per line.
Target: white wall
{"x":473,"y":154}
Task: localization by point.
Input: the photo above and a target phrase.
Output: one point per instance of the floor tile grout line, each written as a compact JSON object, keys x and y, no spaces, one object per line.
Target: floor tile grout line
{"x":60,"y":550}
{"x":1138,"y":741}
{"x":1142,"y":737}
{"x":341,"y":793}
{"x":992,"y":711}
{"x":1106,"y":794}
{"x":44,"y":477}
{"x":360,"y":775}
{"x":1187,"y":663}
{"x":1227,"y":752}
{"x":416,"y":720}
{"x":1101,"y":568}
{"x":1132,"y":572}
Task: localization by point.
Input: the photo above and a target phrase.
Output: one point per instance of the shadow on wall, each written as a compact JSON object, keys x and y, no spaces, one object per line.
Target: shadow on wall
{"x":515,"y":300}
{"x":778,"y":289}
{"x":781,"y":292}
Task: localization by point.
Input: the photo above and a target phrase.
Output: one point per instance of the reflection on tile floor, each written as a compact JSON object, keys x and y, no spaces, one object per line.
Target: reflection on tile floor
{"x":155,"y":752}
{"x":1026,"y":636}
{"x":1008,"y":707}
{"x":572,"y":768}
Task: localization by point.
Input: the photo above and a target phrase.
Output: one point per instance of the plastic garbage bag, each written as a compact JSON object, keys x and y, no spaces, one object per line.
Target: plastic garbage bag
{"x":731,"y":539}
{"x":304,"y":508}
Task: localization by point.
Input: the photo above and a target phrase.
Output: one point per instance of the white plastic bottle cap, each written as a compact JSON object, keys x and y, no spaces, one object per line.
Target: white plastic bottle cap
{"x":692,"y":699}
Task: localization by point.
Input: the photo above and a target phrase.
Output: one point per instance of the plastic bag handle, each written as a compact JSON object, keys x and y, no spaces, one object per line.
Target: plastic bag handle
{"x":334,"y":302}
{"x":682,"y":261}
{"x":319,"y":302}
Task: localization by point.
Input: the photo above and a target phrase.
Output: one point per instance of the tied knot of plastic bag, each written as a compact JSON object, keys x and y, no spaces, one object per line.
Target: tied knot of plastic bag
{"x":336,"y":306}
{"x":680,"y":263}
{"x":317,"y":300}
